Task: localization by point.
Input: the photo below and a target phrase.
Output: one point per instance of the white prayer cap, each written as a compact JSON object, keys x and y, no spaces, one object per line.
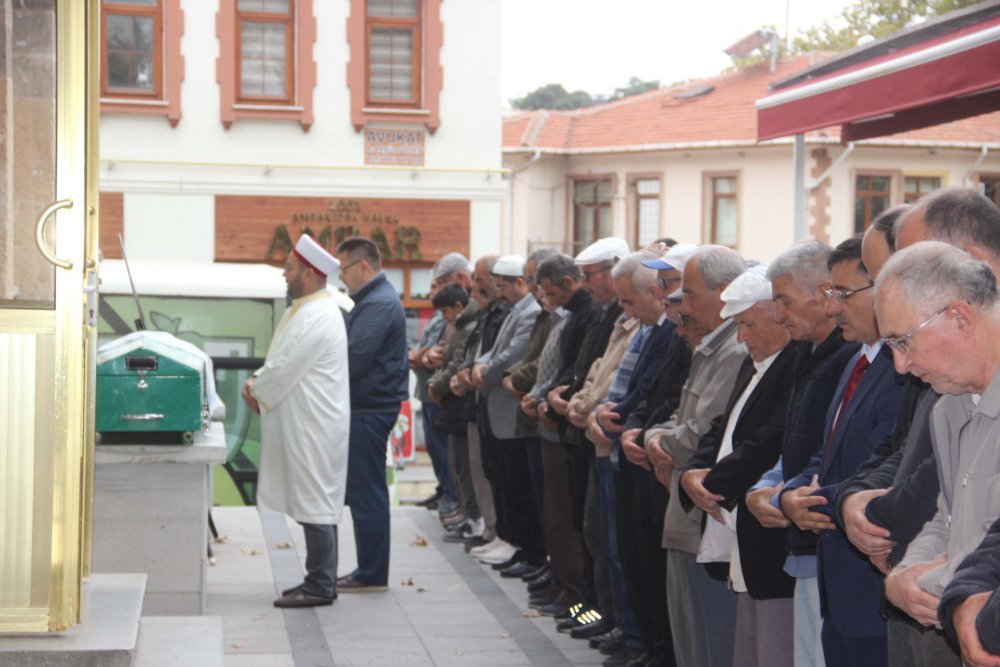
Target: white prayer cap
{"x":604,"y":250}
{"x":315,"y":256}
{"x":674,"y":258}
{"x":509,"y":265}
{"x":745,"y":291}
{"x":450,"y":263}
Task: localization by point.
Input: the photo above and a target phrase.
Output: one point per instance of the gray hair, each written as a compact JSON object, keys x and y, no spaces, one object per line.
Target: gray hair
{"x":630,"y":266}
{"x":932,"y":274}
{"x":805,"y":263}
{"x":960,"y":216}
{"x":718,"y":265}
{"x":540,"y":255}
{"x":558,"y":267}
{"x":450,"y":263}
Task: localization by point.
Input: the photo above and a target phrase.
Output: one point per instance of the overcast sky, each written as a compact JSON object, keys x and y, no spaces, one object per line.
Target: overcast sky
{"x":596,"y":45}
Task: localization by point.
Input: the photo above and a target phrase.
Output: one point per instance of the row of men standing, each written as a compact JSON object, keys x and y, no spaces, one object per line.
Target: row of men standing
{"x":698,"y":462}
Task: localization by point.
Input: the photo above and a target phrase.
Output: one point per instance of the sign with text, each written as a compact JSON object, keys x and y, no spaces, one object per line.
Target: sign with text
{"x":388,"y":146}
{"x":264,"y":229}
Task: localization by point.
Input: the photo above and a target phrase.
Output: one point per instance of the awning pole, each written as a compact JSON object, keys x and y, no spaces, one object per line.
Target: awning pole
{"x":799,"y":212}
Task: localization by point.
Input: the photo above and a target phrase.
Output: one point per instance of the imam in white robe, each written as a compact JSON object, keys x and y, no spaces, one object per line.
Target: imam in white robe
{"x":305,"y":408}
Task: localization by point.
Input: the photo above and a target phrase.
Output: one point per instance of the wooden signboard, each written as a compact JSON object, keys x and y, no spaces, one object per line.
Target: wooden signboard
{"x":264,"y":229}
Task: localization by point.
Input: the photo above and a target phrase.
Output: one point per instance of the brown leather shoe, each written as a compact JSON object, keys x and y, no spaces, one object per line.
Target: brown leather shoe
{"x":348,"y":584}
{"x":299,"y":598}
{"x":292,"y":589}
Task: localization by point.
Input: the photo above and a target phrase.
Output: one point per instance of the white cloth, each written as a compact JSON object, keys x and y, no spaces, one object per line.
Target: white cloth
{"x":305,"y":413}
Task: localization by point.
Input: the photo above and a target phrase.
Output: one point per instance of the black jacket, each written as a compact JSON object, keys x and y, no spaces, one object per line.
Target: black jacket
{"x":816,"y":377}
{"x":757,"y":441}
{"x":978,"y":573}
{"x":376,"y":348}
{"x":488,"y":324}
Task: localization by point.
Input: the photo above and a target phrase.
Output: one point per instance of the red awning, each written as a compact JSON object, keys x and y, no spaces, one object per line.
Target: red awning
{"x":941,"y":71}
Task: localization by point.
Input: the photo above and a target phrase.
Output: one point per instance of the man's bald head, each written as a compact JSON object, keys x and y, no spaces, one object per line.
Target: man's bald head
{"x":959,"y":216}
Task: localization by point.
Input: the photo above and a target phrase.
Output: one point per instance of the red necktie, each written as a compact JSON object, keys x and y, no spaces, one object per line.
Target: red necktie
{"x":859,"y":370}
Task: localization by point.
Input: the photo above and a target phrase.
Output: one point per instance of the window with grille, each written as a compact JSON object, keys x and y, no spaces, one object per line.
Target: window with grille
{"x":393,"y":29}
{"x":591,"y":211}
{"x":266,"y":38}
{"x":915,"y":187}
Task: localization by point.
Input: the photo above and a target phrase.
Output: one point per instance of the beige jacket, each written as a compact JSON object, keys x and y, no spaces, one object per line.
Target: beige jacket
{"x":602,"y":372}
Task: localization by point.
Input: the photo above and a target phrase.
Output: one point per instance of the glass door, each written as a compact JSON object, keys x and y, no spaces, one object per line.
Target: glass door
{"x":47,"y":227}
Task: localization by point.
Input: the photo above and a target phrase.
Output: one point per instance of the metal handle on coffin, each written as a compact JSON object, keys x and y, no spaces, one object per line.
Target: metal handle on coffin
{"x":40,"y":234}
{"x":148,"y":417}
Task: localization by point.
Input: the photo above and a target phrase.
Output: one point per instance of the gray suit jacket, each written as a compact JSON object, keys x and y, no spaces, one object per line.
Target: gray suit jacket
{"x":509,"y":348}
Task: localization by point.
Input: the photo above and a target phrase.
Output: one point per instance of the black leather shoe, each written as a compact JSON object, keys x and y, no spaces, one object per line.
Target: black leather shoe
{"x":552,"y":609}
{"x":598,"y":627}
{"x":431,"y":501}
{"x":574,"y":609}
{"x":541,"y":601}
{"x":611,"y":646}
{"x":534,"y":574}
{"x":612,"y":635}
{"x":622,"y":657}
{"x":540,"y":583}
{"x":518,"y":570}
{"x":516,"y":558}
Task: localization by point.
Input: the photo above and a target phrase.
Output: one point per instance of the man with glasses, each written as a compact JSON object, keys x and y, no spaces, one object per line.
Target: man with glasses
{"x":938,"y":309}
{"x":859,"y":418}
{"x":377,"y":356}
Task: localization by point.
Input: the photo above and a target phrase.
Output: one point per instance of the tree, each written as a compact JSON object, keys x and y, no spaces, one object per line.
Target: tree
{"x":553,"y":96}
{"x":875,"y":18}
{"x":634,"y":87}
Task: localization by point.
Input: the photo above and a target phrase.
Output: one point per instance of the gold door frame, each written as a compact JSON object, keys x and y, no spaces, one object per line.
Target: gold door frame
{"x":71,"y":326}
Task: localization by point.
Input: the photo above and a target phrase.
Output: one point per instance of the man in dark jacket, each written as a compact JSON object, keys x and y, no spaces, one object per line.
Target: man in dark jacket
{"x":376,"y":339}
{"x":798,"y":277}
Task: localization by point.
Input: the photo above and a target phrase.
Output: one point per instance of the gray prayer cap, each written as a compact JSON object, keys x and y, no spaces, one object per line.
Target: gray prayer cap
{"x":450,"y":263}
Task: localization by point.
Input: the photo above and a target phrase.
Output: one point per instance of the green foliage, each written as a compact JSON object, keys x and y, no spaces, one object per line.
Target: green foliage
{"x":634,"y":87}
{"x":875,"y":18}
{"x":553,"y":96}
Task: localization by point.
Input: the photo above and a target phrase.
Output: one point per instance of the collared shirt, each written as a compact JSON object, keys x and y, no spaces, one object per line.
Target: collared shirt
{"x":708,"y":338}
{"x":619,"y":384}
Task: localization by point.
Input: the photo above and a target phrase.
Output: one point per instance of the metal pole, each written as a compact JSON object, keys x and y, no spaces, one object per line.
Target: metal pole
{"x":799,"y":210}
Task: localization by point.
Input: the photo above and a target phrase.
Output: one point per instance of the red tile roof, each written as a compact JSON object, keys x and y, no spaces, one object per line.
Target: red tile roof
{"x":663,"y":118}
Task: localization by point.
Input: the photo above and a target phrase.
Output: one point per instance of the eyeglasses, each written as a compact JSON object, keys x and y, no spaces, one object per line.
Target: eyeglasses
{"x":347,"y":266}
{"x":840,"y":296}
{"x":901,"y":344}
{"x":666,"y":283}
{"x":587,"y":275}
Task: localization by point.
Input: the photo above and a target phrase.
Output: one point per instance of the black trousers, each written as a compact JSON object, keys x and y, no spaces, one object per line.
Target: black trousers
{"x":518,"y":500}
{"x":640,"y":507}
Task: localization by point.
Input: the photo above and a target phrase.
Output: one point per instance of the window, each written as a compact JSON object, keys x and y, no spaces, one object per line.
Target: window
{"x":646,"y":210}
{"x":133,"y":49}
{"x":266,"y":54}
{"x":591,"y":211}
{"x":142,"y":67}
{"x":915,"y":187}
{"x":395,"y":72}
{"x":392,"y":28}
{"x":989,"y":187}
{"x":265,"y":66}
{"x":723,"y":210}
{"x":872,"y":195}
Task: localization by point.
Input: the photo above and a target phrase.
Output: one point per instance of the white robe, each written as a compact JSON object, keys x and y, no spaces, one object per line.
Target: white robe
{"x":305,"y":413}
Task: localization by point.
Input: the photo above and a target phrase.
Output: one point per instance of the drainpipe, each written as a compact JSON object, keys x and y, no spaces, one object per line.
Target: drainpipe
{"x":967,"y":179}
{"x":799,"y":203}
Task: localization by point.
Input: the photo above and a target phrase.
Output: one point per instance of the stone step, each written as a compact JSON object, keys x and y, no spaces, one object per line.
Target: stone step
{"x":178,"y":641}
{"x":106,"y":635}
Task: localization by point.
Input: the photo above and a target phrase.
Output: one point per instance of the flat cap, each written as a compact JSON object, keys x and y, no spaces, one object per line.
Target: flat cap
{"x":745,"y":291}
{"x":604,"y":250}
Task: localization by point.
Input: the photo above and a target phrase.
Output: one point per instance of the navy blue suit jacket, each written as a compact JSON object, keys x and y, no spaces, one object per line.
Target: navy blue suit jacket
{"x":850,"y":586}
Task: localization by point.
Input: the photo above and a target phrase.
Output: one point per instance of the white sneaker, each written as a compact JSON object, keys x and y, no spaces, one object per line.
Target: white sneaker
{"x":489,"y":546}
{"x":475,"y":529}
{"x":498,"y":555}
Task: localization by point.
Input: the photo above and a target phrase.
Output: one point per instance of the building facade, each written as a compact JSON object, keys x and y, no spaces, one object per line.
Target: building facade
{"x":230,"y":127}
{"x":684,"y":162}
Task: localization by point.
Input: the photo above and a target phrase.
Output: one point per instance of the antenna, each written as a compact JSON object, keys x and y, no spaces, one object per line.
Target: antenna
{"x":140,"y":322}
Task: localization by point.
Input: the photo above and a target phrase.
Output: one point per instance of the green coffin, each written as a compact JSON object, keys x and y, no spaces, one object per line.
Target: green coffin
{"x":141,"y":391}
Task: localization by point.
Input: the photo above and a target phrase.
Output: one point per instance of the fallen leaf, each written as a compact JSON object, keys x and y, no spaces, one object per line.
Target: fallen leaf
{"x":530,"y":613}
{"x":459,"y":652}
{"x":419,"y":541}
{"x":505,"y":635}
{"x":252,"y":552}
{"x":283,"y":545}
{"x":236,"y":645}
{"x":421,"y":590}
{"x":407,"y":582}
{"x":221,"y":539}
